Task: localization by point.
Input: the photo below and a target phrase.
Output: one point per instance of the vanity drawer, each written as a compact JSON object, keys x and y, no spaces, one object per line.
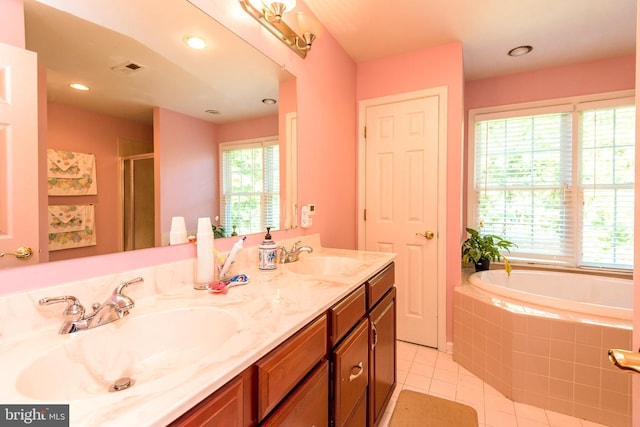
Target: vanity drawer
{"x":351,"y":370}
{"x":379,"y":284}
{"x":286,"y":366}
{"x":344,"y":315}
{"x":308,"y":405}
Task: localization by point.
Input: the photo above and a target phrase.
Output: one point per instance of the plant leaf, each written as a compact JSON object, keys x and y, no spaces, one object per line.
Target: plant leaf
{"x":507,"y":266}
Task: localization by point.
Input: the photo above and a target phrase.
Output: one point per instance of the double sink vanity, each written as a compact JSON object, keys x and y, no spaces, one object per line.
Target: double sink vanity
{"x":313,"y":341}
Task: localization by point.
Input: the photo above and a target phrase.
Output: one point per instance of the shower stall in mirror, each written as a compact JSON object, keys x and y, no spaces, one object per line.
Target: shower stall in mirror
{"x":137,"y":202}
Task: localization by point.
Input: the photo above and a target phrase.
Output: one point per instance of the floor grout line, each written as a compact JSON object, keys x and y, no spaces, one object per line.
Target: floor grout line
{"x":430,"y":371}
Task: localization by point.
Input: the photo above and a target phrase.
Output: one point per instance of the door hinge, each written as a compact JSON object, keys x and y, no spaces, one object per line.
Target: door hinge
{"x":365,"y":132}
{"x":365,"y":214}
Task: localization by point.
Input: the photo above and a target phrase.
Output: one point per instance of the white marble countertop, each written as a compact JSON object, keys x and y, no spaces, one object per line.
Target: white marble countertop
{"x":265,"y":312}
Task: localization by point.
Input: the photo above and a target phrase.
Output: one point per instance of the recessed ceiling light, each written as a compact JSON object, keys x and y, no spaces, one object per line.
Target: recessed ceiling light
{"x":520,"y":50}
{"x":214,"y":112}
{"x":78,"y":86}
{"x":195,"y":42}
{"x":269,"y":101}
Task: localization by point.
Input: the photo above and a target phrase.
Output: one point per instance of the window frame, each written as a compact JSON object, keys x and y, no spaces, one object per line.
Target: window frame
{"x":247,"y":144}
{"x":572,"y":105}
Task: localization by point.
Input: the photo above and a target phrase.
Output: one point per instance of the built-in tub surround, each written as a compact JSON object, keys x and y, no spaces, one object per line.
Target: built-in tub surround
{"x":543,"y":356}
{"x":246,"y":323}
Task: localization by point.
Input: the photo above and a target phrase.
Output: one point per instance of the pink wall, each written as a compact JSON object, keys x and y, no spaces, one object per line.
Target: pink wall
{"x":12,"y":23}
{"x":605,"y":75}
{"x":186,"y":171}
{"x":84,"y":131}
{"x":415,"y":71}
{"x":247,"y":129}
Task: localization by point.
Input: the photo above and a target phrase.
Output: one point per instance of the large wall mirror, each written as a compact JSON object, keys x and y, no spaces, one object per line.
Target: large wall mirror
{"x":155,"y":114}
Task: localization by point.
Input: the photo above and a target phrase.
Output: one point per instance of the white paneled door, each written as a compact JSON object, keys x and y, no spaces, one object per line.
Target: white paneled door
{"x":18,"y":154}
{"x":401,"y":202}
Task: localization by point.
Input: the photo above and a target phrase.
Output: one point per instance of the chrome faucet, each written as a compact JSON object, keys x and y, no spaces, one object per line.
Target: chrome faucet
{"x":292,"y":255}
{"x":115,"y":307}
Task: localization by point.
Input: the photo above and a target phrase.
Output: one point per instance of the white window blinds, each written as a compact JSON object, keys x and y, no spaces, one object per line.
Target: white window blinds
{"x":559,"y":183}
{"x":523,"y":171}
{"x":607,"y":152}
{"x":250,"y":179}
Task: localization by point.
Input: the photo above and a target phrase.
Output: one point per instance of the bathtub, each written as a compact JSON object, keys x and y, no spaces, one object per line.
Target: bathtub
{"x":541,"y":338}
{"x":578,"y":293}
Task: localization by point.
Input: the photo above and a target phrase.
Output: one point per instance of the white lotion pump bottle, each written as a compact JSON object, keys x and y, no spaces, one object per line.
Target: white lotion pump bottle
{"x":267,"y":253}
{"x":204,"y":254}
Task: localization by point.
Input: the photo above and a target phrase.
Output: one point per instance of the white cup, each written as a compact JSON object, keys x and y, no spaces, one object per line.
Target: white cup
{"x":178,"y":233}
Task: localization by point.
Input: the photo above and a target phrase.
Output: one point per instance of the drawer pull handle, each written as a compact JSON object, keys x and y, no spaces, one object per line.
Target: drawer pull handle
{"x":356,"y":371}
{"x":375,"y":336}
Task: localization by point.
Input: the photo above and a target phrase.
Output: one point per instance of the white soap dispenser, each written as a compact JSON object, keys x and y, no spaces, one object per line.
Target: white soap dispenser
{"x":267,"y":253}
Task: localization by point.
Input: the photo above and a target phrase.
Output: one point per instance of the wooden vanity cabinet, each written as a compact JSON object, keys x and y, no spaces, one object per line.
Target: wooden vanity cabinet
{"x":351,"y":377}
{"x":289,"y":386}
{"x":382,"y":355}
{"x":339,"y":370}
{"x":362,"y":337}
{"x":381,"y":295}
{"x":348,"y":339}
{"x":280,"y":371}
{"x":344,"y":315}
{"x":231,"y":405}
{"x":308,"y":404}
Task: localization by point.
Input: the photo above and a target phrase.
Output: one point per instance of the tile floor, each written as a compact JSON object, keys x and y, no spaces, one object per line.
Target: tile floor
{"x":434,"y":372}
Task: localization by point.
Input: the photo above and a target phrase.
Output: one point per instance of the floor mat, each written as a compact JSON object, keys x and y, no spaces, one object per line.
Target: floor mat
{"x":415,"y":409}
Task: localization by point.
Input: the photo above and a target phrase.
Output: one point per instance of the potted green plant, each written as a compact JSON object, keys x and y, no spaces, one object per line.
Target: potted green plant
{"x":481,"y":250}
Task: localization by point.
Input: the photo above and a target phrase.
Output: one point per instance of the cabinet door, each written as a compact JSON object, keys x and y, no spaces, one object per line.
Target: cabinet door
{"x":226,"y":407}
{"x":351,"y":372}
{"x":308,"y":405}
{"x":382,"y":379}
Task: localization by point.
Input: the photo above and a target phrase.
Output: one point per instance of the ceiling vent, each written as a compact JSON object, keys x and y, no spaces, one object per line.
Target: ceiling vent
{"x":128,"y":67}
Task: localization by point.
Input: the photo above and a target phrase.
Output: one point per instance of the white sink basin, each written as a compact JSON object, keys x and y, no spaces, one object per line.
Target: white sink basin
{"x":144,"y":348}
{"x":325,"y":265}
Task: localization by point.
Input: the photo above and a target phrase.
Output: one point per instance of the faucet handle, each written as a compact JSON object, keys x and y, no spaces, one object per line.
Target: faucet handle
{"x":123,"y":285}
{"x":74,"y":310}
{"x":120,"y":300}
{"x":295,"y":246}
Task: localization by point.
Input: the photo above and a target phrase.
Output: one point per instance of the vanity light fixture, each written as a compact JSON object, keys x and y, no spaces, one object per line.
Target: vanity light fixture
{"x":79,"y":86}
{"x":269,"y":15}
{"x":195,"y":42}
{"x":520,"y":50}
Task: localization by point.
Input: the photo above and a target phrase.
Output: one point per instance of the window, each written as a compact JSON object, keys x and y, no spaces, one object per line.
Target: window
{"x":558,"y":180}
{"x":250,"y":180}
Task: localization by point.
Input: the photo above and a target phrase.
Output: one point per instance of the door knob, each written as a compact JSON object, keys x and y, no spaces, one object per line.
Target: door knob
{"x":23,"y":252}
{"x":625,"y":359}
{"x":427,"y":235}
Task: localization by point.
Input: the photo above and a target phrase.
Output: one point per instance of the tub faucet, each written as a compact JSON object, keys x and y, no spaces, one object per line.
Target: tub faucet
{"x":115,"y":307}
{"x":292,"y":255}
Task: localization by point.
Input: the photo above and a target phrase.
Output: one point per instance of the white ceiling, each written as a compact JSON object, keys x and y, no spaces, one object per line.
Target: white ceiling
{"x":560,"y":31}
